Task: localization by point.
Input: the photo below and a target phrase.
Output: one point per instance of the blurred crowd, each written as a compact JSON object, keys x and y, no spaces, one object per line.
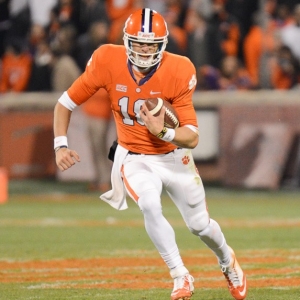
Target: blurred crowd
{"x":234,"y":44}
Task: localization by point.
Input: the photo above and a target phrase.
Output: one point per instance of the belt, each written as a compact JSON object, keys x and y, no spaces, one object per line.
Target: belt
{"x":135,"y":153}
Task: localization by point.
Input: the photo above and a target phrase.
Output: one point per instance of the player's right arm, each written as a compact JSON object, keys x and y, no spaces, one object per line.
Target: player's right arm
{"x":65,"y":157}
{"x":86,"y":85}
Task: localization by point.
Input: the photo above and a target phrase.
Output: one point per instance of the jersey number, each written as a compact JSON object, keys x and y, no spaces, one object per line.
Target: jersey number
{"x":123,"y":103}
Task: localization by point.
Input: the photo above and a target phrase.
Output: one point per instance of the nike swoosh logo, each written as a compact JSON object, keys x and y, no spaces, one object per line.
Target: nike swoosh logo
{"x":243,"y":292}
{"x":154,"y":93}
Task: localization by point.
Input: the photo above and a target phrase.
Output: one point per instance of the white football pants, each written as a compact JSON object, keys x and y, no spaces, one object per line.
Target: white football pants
{"x":146,"y":175}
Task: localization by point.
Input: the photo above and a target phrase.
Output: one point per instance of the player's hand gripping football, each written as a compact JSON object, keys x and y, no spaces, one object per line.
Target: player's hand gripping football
{"x":154,"y":124}
{"x":66,"y":158}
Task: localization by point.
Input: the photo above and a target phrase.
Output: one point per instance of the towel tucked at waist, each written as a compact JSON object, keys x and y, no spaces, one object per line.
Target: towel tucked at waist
{"x":116,"y":197}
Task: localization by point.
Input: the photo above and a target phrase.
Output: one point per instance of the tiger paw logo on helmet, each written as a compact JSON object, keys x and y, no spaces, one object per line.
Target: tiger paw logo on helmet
{"x":185,"y":160}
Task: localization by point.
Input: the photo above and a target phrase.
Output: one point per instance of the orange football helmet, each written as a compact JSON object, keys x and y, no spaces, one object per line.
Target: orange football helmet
{"x":145,"y":26}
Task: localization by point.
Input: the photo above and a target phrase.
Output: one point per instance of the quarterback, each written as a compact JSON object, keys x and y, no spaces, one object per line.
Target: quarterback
{"x":149,"y":157}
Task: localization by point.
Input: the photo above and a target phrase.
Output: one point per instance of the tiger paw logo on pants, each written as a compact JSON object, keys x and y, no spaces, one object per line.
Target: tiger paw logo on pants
{"x":185,"y":160}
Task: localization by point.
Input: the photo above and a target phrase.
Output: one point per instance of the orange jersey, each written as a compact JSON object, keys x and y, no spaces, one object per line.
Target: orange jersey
{"x":98,"y":105}
{"x":174,"y":80}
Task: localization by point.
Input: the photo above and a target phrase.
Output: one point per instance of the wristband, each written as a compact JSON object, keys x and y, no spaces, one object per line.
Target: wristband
{"x":60,"y":141}
{"x":167,"y":134}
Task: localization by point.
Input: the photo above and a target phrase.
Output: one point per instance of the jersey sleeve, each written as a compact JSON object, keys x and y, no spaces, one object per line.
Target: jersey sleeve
{"x":183,"y":87}
{"x":94,"y":77}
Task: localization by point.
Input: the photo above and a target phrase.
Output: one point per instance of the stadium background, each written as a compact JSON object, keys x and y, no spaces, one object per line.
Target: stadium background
{"x":249,"y":135}
{"x":248,"y":139}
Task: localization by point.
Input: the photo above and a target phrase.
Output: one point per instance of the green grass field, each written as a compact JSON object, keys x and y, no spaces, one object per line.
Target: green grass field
{"x":59,"y":242}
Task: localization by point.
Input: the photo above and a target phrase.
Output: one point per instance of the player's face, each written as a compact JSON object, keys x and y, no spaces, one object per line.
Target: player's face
{"x":144,"y":50}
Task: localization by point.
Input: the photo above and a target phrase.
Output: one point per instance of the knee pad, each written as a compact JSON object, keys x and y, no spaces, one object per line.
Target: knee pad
{"x":150,"y":202}
{"x":210,"y":231}
{"x":197,"y":220}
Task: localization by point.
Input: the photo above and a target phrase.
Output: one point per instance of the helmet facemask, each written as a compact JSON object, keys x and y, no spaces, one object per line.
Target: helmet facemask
{"x":136,"y":57}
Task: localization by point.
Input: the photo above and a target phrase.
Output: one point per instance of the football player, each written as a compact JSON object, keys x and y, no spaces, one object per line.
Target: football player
{"x":148,"y":156}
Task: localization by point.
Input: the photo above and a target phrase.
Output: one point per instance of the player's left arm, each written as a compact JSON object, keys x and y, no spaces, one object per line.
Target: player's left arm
{"x":185,"y":136}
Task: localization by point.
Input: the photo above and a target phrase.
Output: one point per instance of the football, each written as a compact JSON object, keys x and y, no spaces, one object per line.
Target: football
{"x":155,"y":105}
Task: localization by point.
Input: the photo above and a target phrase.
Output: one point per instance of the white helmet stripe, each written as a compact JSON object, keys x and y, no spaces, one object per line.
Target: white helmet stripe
{"x":147,"y":24}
